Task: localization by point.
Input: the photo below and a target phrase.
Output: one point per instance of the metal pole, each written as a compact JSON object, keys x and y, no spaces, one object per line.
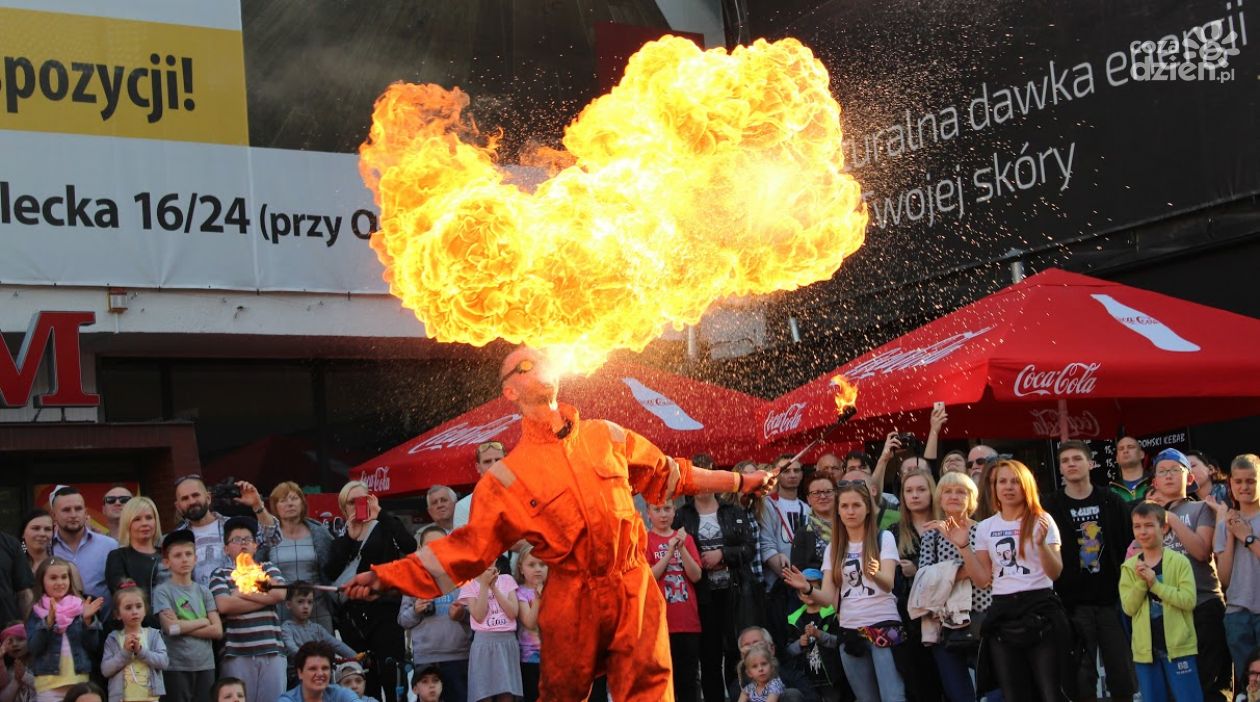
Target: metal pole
{"x":794,"y":328}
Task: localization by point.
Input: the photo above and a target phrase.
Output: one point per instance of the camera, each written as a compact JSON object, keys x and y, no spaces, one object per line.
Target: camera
{"x":909,"y":442}
{"x":223,"y":499}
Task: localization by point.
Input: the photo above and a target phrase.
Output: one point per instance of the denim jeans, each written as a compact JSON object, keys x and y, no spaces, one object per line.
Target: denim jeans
{"x":1180,"y":676}
{"x":1242,"y":634}
{"x":874,"y":676}
{"x":955,"y":674}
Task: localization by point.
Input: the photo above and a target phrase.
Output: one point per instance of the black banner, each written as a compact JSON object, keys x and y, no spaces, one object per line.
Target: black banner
{"x":981,"y":127}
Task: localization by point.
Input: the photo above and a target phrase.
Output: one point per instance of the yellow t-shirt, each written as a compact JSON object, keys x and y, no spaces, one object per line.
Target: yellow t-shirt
{"x":136,"y":675}
{"x":65,"y":676}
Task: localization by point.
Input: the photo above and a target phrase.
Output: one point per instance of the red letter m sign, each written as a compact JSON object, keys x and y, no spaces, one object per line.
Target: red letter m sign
{"x":17,"y":378}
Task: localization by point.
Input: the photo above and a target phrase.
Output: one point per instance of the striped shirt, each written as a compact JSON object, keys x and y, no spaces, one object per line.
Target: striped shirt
{"x":255,"y":633}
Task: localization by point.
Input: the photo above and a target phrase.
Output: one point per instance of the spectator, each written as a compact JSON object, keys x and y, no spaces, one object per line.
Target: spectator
{"x":977,"y":458}
{"x":1134,"y":481}
{"x":1089,"y":584}
{"x":192,"y":504}
{"x":314,"y":661}
{"x":675,"y":562}
{"x":62,"y":620}
{"x":1252,"y":668}
{"x":440,"y":501}
{"x":1206,"y":475}
{"x":956,"y":496}
{"x":75,"y":542}
{"x":299,"y":629}
{"x":893,"y":453}
{"x":918,"y":511}
{"x":300,"y":549}
{"x":228,"y":690}
{"x":931,"y":447}
{"x":830,"y":465}
{"x":812,"y":541}
{"x":1191,"y":534}
{"x":494,"y":661}
{"x":438,"y":638}
{"x":798,"y":687}
{"x":16,"y":580}
{"x":762,"y":669}
{"x":137,"y":558}
{"x":531,"y":573}
{"x":858,"y":569}
{"x":954,"y":462}
{"x":781,"y":515}
{"x":1238,"y":558}
{"x":189,"y":622}
{"x":984,"y":482}
{"x":371,"y":626}
{"x":814,"y":643}
{"x":37,"y":531}
{"x":17,"y":683}
{"x":486,"y":455}
{"x":426,"y":683}
{"x":84,"y":692}
{"x":135,"y":655}
{"x":1157,"y":589}
{"x":253,"y":649}
{"x":886,"y":516}
{"x":720,"y":531}
{"x":112,"y":506}
{"x":350,"y":676}
{"x":1026,"y":632}
{"x":753,"y":505}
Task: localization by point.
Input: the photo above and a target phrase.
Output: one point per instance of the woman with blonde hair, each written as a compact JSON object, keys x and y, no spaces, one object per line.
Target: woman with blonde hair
{"x":862,"y":560}
{"x":138,"y":558}
{"x":304,"y":547}
{"x":1026,"y":635}
{"x":373,"y":537}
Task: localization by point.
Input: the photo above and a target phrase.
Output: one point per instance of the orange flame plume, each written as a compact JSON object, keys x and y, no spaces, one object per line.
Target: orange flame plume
{"x":846,"y":395}
{"x":248,"y":575}
{"x":702,"y":175}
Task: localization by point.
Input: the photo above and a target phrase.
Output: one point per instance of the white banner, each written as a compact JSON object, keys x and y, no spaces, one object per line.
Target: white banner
{"x":90,"y":210}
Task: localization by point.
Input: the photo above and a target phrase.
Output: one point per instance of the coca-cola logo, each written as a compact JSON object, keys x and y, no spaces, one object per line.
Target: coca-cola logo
{"x":1072,"y":379}
{"x":376,"y":479}
{"x":896,"y":359}
{"x":1046,"y":423}
{"x":781,"y":422}
{"x":465,"y":434}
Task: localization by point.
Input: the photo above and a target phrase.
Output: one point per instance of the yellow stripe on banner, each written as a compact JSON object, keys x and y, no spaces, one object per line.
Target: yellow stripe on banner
{"x":112,"y":77}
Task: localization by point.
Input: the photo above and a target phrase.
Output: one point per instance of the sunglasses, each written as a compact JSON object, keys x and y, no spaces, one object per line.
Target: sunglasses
{"x":520,"y":368}
{"x":490,"y":445}
{"x":185,"y":478}
{"x":856,"y":484}
{"x":117,"y":499}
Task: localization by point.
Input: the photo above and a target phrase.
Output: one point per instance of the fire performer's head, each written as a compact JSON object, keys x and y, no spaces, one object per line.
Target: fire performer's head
{"x":529,"y":380}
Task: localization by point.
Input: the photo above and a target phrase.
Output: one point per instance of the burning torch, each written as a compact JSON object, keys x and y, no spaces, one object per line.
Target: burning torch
{"x":249,"y":577}
{"x":846,"y":407}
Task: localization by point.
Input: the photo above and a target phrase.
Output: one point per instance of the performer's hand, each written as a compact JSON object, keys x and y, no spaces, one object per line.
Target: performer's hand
{"x":760,"y":482}
{"x":671,"y":483}
{"x":364,"y":586}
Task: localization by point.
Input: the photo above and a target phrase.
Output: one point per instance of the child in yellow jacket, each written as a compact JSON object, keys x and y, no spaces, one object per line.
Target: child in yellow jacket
{"x":1157,"y":591}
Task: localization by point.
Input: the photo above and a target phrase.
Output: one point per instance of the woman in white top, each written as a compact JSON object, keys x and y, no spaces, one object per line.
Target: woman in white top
{"x":1016,"y":551}
{"x":858,"y":569}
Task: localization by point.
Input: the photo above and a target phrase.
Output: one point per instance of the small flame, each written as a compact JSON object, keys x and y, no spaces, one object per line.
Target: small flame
{"x":248,"y":575}
{"x":703,"y":175}
{"x":846,"y":395}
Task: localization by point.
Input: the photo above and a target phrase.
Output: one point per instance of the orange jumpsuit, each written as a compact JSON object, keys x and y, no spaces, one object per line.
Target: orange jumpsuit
{"x":572,"y":499}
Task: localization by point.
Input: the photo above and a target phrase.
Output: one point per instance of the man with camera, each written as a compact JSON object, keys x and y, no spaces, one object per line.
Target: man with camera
{"x":193,"y":502}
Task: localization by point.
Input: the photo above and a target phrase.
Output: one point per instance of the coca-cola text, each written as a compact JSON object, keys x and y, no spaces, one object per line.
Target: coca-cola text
{"x":464,"y":434}
{"x":898,"y":358}
{"x":782,"y":422}
{"x":1046,"y":423}
{"x":1072,"y":379}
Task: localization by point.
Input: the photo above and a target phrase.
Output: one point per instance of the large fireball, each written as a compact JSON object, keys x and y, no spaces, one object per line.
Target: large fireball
{"x":702,"y":175}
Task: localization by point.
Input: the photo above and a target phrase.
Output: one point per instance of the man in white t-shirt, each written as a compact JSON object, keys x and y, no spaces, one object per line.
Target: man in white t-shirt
{"x":782,"y":514}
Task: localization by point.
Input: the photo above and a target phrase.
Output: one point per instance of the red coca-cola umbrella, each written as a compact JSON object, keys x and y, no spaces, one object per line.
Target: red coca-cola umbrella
{"x":680,"y":415}
{"x":1058,"y":353}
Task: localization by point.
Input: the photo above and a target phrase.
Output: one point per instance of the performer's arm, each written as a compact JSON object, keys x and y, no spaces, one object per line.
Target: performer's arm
{"x":658,"y":477}
{"x":494,"y":524}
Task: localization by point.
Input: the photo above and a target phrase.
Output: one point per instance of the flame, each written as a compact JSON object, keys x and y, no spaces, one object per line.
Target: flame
{"x":702,"y":175}
{"x":248,"y":575}
{"x":846,"y":394}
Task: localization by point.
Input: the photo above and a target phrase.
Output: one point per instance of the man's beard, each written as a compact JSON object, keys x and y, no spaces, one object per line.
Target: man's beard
{"x":196,"y":512}
{"x":72,"y":529}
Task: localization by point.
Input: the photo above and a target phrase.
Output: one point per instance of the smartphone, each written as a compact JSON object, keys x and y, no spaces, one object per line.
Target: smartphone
{"x":938,"y":406}
{"x":361,"y":509}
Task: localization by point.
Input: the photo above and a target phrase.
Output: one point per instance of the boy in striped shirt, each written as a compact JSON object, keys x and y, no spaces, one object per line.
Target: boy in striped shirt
{"x":253,"y":649}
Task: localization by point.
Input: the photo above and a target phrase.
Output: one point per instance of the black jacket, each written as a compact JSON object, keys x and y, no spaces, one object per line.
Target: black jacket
{"x":1117,"y":532}
{"x":738,"y":549}
{"x":388,"y":542}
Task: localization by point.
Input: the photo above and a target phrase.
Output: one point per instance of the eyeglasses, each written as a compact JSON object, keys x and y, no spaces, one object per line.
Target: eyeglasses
{"x":821,"y":493}
{"x":522,"y":367}
{"x":117,"y":499}
{"x":857,"y":484}
{"x":242,"y":540}
{"x":1170,"y":471}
